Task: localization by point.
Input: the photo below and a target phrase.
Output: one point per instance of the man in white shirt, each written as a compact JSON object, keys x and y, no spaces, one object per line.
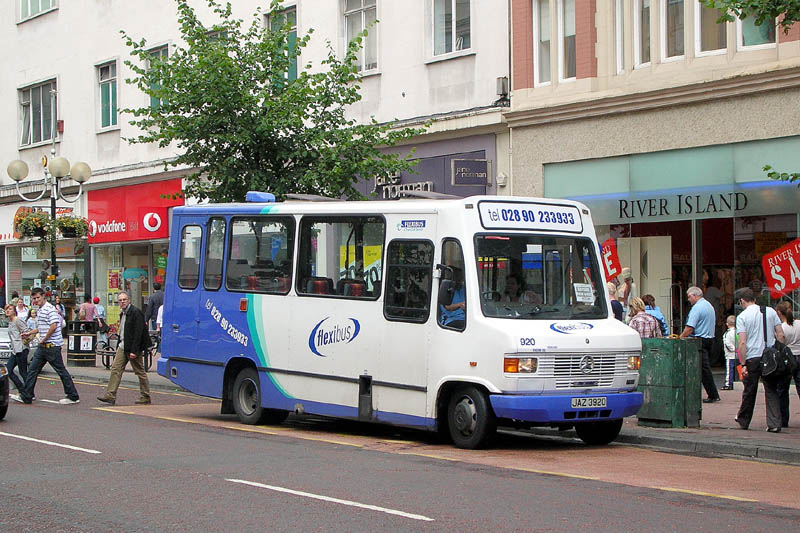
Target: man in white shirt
{"x":750,"y":328}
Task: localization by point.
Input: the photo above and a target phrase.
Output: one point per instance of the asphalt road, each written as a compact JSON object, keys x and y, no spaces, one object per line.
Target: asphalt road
{"x":178,"y":465}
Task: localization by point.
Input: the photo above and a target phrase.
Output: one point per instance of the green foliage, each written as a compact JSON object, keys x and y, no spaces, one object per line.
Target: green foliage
{"x":762,"y":10}
{"x":791,"y":177}
{"x":227,"y":104}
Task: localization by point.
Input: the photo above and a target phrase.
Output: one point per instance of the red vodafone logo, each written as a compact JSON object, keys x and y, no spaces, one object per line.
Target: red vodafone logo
{"x":151,"y":222}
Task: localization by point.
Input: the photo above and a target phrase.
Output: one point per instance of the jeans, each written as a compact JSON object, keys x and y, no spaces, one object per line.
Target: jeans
{"x":50,"y":355}
{"x":751,"y":391}
{"x":784,"y":385}
{"x":19,"y":360}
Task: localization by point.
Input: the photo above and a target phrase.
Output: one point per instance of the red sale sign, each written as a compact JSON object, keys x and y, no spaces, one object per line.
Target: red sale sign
{"x":132,"y":213}
{"x":610,"y":259}
{"x":782,"y":269}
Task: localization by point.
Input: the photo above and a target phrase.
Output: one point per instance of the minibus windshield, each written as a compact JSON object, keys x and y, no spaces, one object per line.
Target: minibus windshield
{"x":539,"y":277}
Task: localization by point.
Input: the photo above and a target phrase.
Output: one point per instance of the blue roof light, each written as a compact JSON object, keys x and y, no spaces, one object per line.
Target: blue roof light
{"x":260,"y":197}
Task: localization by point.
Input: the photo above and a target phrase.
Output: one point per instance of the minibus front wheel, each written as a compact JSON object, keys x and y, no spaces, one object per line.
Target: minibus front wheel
{"x":470,"y":418}
{"x":598,"y":433}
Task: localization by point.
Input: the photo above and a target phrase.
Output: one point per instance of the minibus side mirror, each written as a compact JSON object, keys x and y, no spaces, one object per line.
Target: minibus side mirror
{"x":446,"y":288}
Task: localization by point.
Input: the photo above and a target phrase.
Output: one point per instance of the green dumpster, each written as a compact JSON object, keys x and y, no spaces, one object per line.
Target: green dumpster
{"x":669,"y":379}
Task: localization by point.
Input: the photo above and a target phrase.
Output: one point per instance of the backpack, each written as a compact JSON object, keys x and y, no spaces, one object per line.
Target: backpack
{"x":777,"y":361}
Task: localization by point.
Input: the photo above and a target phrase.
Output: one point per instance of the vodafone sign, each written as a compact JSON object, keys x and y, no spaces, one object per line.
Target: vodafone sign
{"x":132,"y":213}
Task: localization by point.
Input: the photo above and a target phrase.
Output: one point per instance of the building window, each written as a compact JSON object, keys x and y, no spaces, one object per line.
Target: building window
{"x":451,"y":26}
{"x":619,"y":31}
{"x":107,"y":78}
{"x":710,"y":36}
{"x":157,"y":54}
{"x":566,"y":35}
{"x":288,"y":16}
{"x":641,"y":32}
{"x":37,"y":112}
{"x":29,"y":8}
{"x":541,"y":41}
{"x":752,"y":35}
{"x":672,"y":29}
{"x":360,"y":15}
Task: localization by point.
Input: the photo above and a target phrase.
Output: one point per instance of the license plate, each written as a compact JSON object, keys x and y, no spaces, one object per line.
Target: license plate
{"x":594,"y":401}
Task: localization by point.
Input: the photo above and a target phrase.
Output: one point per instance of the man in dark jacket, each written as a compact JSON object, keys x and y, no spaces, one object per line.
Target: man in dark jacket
{"x":155,"y":301}
{"x":133,"y":341}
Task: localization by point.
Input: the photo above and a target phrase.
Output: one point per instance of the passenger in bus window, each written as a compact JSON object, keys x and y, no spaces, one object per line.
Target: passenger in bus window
{"x":453,"y":315}
{"x":514,"y":292}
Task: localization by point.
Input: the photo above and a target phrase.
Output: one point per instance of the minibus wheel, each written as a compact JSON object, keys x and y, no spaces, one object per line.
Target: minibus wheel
{"x":598,"y":433}
{"x":247,"y":397}
{"x":470,"y":418}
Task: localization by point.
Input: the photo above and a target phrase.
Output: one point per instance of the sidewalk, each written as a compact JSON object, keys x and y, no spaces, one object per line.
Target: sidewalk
{"x":718,"y":434}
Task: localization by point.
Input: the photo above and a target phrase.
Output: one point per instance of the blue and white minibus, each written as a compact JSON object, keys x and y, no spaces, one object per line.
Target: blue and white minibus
{"x":456,"y":315}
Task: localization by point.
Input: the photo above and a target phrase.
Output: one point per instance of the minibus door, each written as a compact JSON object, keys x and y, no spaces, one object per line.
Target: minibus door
{"x":186,"y":304}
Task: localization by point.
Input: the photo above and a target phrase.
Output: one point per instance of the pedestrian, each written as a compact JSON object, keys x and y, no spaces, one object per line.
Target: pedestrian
{"x":133,"y":341}
{"x":102,"y":322}
{"x":627,"y":288}
{"x":616,"y":307}
{"x":33,"y":339}
{"x":48,"y":323}
{"x":729,"y":343}
{"x":154,"y":303}
{"x":19,"y":352}
{"x":87,"y":311}
{"x":62,"y":311}
{"x":750,"y":328}
{"x":22,"y":310}
{"x":791,"y":331}
{"x":653,"y":310}
{"x":700,"y":324}
{"x":646,"y":325}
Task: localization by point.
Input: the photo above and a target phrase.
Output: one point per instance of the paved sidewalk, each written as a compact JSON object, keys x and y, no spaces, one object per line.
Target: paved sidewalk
{"x":718,"y":434}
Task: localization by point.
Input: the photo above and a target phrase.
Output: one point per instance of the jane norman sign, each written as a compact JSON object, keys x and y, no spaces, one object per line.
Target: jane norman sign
{"x":470,"y":172}
{"x":389,"y":187}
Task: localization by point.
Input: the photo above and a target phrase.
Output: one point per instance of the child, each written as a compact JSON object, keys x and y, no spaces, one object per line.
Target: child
{"x":729,"y":340}
{"x":34,"y":341}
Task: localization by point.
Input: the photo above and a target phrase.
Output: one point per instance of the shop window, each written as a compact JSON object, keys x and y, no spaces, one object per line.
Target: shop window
{"x":260,"y":254}
{"x":215,"y":245}
{"x":408,"y":280}
{"x":189,"y":266}
{"x":341,"y":256}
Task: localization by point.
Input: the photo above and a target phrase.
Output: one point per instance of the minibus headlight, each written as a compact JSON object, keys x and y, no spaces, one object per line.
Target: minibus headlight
{"x":520,"y":365}
{"x":634,"y":362}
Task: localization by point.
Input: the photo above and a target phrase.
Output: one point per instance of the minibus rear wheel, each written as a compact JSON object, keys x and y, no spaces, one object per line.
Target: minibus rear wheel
{"x":470,"y":418}
{"x":598,"y":433}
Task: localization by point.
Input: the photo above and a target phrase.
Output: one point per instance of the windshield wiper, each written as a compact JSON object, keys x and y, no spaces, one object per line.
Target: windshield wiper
{"x":539,"y":310}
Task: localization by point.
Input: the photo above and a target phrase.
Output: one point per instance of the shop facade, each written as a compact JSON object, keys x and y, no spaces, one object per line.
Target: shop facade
{"x":129,"y":240}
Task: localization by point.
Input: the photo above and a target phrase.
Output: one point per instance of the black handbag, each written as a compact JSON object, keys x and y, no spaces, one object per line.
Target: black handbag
{"x":777,"y":361}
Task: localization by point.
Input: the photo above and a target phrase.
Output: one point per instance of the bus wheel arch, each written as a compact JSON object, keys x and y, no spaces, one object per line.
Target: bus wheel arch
{"x":465,"y":414}
{"x":232,"y":370}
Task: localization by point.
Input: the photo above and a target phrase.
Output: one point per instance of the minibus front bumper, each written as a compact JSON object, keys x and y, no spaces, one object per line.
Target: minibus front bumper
{"x":559,"y":408}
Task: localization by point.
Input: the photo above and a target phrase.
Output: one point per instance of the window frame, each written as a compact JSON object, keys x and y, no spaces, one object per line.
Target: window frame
{"x":362,"y":10}
{"x":386,"y":290}
{"x":537,"y":82}
{"x":163,"y":53}
{"x":561,"y":48}
{"x":637,"y":35}
{"x":113,"y":82}
{"x":209,"y":235}
{"x":292,"y":73}
{"x":453,"y":39}
{"x":619,"y":36}
{"x":52,"y":102}
{"x":25,"y":17}
{"x":291,"y":225}
{"x":182,"y":256}
{"x":464,"y":268}
{"x":741,"y":47}
{"x":662,"y":31}
{"x":311,"y":219}
{"x":698,"y":34}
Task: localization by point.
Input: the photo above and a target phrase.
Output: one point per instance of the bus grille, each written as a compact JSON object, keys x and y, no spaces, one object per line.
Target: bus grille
{"x":570,"y":370}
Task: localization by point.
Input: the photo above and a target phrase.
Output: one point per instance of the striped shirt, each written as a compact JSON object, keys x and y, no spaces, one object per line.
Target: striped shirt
{"x":47,"y":316}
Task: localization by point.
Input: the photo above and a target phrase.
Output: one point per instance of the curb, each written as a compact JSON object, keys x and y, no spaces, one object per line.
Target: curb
{"x":155,"y":384}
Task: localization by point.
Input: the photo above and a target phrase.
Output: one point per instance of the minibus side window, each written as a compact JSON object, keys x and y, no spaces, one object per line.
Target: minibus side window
{"x":189,"y":266}
{"x":452,"y":300}
{"x":260,"y":254}
{"x":408,"y":281}
{"x":215,"y":245}
{"x":341,"y":256}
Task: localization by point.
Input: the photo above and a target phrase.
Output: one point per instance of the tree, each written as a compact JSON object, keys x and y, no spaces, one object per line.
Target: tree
{"x":227,"y":102}
{"x":788,"y":12}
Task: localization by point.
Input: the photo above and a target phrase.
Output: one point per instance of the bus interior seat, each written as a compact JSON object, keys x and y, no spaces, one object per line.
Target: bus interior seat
{"x":353,"y":287}
{"x":189,"y":272}
{"x":319,"y":285}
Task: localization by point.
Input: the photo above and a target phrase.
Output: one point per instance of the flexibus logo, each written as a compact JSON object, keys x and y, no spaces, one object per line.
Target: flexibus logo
{"x":324,"y":336}
{"x":566,"y":327}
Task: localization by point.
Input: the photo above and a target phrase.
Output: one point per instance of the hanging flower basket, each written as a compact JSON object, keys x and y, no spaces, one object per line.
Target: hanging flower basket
{"x":35,"y":224}
{"x":71,"y":227}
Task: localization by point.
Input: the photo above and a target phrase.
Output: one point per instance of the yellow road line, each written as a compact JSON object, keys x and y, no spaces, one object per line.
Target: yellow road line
{"x":709,"y":494}
{"x":113,"y":410}
{"x":429,"y":456}
{"x":550,"y":473}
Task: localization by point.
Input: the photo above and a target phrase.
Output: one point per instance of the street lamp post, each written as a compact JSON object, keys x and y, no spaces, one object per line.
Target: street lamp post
{"x":54,"y":171}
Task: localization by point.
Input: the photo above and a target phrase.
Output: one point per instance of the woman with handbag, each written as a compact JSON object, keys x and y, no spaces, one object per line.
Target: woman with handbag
{"x":791,"y":331}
